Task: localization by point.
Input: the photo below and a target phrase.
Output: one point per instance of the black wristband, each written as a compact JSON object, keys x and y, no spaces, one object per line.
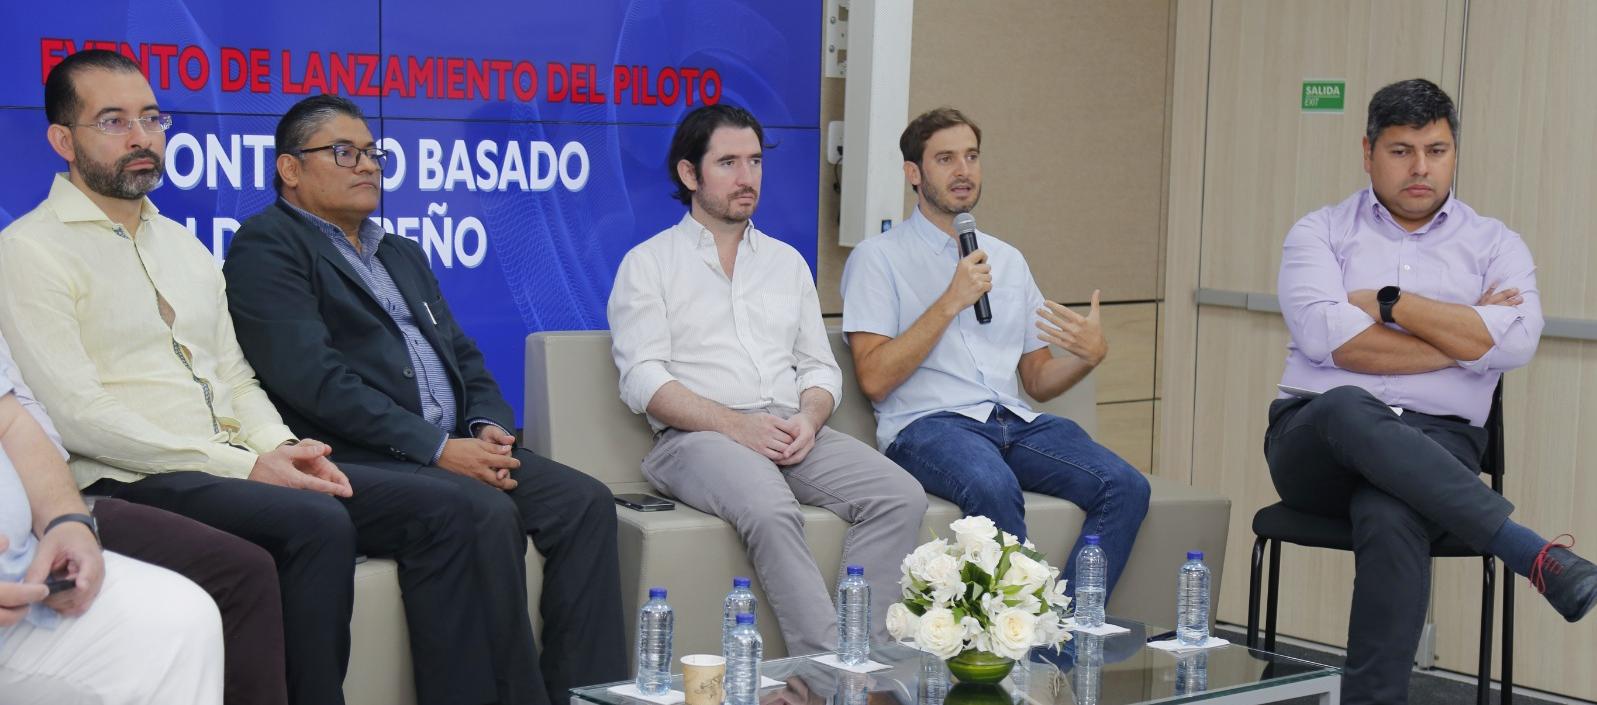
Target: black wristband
{"x":83,"y":519}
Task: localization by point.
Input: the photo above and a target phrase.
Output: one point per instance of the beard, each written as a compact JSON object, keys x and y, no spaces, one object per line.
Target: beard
{"x":940,"y":199}
{"x":724,"y":210}
{"x":114,"y":181}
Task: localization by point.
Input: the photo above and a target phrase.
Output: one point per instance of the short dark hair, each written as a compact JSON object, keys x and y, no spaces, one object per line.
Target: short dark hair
{"x":61,"y":99}
{"x":692,"y":140}
{"x":1413,"y":103}
{"x":304,"y":119}
{"x":913,"y":142}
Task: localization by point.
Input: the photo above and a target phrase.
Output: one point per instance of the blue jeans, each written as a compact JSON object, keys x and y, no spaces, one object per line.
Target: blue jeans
{"x":984,"y":466}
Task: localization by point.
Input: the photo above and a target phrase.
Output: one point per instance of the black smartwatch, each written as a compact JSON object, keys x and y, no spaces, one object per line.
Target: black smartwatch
{"x":1387,"y":298}
{"x":84,"y":519}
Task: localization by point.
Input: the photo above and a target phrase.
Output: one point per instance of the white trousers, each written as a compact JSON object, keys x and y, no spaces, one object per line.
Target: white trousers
{"x":150,"y":638}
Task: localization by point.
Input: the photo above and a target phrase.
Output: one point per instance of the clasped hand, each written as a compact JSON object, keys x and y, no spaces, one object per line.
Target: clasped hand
{"x":784,"y":441}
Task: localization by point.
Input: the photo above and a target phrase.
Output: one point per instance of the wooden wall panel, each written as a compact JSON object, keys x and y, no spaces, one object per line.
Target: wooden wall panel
{"x":1549,"y":449}
{"x":1176,"y":347}
{"x":1127,"y":429}
{"x":1240,"y":355}
{"x":1530,"y":137}
{"x":1267,"y":163}
{"x":1525,"y":157}
{"x":1070,"y":96}
{"x":1127,"y":373}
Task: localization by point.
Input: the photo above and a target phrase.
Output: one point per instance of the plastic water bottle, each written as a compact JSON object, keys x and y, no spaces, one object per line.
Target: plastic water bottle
{"x":1092,"y":568}
{"x":1192,"y":673}
{"x":933,"y":687}
{"x":654,"y":644}
{"x":1088,"y":672}
{"x":740,"y":600}
{"x":744,"y":651}
{"x":852,"y":689}
{"x":853,"y":617}
{"x":1192,"y":601}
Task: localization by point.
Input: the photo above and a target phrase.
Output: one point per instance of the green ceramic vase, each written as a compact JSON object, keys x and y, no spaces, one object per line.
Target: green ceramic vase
{"x":977,"y":694}
{"x":972,"y":666}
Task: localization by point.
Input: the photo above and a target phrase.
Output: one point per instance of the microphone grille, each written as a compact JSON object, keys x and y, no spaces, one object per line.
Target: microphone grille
{"x":964,"y":223}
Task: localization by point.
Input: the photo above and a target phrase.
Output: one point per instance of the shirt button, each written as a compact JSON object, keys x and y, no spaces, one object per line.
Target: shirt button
{"x":409,"y":373}
{"x":1406,"y":268}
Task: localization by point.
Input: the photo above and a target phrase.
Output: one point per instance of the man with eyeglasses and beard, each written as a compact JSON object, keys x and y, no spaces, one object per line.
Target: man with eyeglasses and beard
{"x":352,"y":338}
{"x":117,"y":317}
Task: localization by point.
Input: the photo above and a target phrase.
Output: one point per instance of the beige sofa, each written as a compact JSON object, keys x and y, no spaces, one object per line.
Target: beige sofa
{"x":574,"y":415}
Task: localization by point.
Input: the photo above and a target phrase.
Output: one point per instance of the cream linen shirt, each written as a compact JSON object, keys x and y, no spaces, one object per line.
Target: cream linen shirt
{"x":752,"y":341}
{"x":78,"y":305}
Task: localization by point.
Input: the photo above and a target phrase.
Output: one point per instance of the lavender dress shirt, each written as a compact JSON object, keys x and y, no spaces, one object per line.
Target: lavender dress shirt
{"x":1454,"y":258}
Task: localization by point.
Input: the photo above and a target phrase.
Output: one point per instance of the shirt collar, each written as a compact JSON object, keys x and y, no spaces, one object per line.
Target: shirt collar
{"x":1443,"y":214}
{"x":371,"y":234}
{"x":928,"y":233}
{"x":700,"y":236}
{"x":72,"y":205}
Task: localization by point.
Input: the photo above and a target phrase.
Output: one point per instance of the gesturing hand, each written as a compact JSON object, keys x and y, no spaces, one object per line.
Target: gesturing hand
{"x":762,"y":433}
{"x":1079,"y":335}
{"x":304,"y":467}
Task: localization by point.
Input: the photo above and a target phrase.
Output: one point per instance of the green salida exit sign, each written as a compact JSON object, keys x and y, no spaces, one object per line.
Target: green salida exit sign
{"x":1322,"y":96}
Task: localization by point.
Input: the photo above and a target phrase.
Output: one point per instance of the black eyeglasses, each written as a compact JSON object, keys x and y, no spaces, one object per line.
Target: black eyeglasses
{"x":348,"y":155}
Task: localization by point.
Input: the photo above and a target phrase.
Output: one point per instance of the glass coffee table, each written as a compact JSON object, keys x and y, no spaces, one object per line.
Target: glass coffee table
{"x":1113,"y":670}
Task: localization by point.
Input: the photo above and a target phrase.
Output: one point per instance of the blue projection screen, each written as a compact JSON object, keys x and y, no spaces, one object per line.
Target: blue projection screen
{"x":529,"y":137}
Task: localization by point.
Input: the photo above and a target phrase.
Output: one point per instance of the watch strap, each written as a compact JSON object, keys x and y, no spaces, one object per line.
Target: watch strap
{"x":83,"y":519}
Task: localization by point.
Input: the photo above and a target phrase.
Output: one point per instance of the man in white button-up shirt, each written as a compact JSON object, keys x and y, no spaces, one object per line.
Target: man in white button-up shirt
{"x":947,"y":387}
{"x":718,"y":337}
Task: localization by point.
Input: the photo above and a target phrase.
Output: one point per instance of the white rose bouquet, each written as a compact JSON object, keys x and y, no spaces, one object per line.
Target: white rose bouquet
{"x":986,"y":591}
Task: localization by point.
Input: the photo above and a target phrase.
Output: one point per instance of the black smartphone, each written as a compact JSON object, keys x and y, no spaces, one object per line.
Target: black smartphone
{"x":60,"y":583}
{"x":645,"y":502}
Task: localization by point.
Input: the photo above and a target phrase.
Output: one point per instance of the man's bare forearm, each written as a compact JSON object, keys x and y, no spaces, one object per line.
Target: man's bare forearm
{"x":1454,"y":329}
{"x":882,"y":368}
{"x":1053,"y":376}
{"x":682,"y":409}
{"x":45,"y":477}
{"x":1378,"y":350}
{"x":817,"y":404}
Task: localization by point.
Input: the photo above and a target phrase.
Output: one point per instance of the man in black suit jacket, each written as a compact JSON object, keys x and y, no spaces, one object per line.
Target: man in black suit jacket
{"x":348,"y":332}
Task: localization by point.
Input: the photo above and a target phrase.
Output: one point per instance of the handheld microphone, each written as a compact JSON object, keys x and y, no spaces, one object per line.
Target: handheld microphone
{"x":965,"y":225}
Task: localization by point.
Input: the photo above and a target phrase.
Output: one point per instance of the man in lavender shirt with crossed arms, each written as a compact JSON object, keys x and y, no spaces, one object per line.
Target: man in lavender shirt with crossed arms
{"x":1405,"y":308}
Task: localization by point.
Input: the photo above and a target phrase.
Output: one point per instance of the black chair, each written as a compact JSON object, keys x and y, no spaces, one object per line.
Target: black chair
{"x":1277,"y":523}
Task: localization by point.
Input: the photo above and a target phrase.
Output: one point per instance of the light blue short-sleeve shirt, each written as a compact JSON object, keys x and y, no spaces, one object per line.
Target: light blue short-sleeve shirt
{"x":16,"y":523}
{"x":889,"y":282}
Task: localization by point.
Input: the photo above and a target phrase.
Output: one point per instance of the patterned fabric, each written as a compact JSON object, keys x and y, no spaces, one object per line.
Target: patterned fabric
{"x":432,"y":378}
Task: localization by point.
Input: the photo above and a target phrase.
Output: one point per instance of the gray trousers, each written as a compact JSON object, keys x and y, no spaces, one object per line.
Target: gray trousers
{"x":883,"y":505}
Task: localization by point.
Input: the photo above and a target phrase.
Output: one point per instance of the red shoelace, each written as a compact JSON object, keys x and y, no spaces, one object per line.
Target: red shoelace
{"x":1539,"y":570}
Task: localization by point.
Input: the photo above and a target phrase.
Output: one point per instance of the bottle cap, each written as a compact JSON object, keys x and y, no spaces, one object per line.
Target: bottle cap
{"x":745,"y":618}
{"x":657,"y":593}
{"x":1090,"y":539}
{"x":740,"y":582}
{"x":856,"y":570}
{"x":1194,"y":555}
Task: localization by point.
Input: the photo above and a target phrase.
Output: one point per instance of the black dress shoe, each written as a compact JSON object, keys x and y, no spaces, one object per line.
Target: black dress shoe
{"x":1568,"y":581}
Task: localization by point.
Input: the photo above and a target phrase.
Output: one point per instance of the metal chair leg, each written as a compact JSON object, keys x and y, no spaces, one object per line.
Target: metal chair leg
{"x":1483,"y":678}
{"x":1253,"y":592}
{"x":1275,"y":595}
{"x":1508,"y":636}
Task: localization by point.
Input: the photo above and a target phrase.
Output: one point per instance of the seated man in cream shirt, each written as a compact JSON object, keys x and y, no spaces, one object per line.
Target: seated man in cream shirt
{"x":118,"y":319}
{"x":718,"y":338}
